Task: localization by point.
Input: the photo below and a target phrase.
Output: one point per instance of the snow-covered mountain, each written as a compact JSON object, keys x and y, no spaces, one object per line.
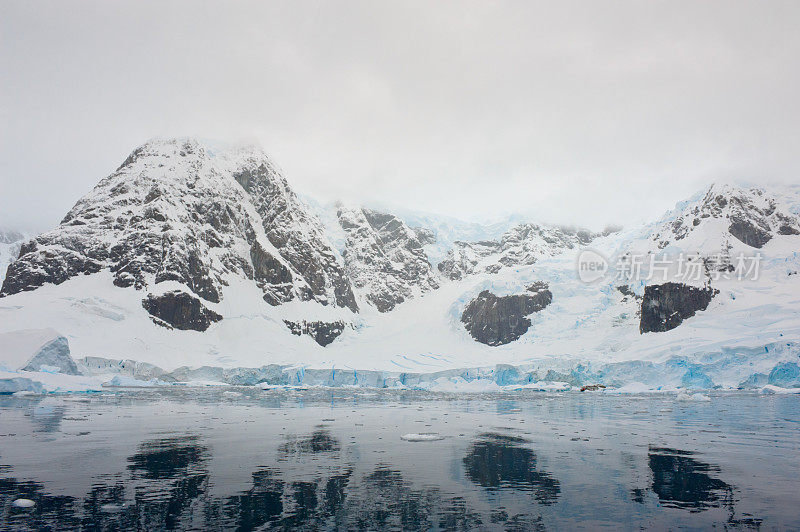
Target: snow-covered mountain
{"x":448,"y":230}
{"x":194,"y":261}
{"x":723,"y":215}
{"x":178,"y":214}
{"x":721,"y":229}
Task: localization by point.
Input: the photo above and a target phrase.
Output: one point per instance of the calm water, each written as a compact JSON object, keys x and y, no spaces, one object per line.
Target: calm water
{"x":322,"y":459}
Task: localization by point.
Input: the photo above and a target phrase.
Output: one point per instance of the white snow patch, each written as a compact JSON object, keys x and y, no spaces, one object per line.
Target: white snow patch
{"x":686,"y":396}
{"x":425,"y":436}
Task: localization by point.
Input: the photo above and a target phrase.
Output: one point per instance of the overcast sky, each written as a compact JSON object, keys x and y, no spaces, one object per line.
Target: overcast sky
{"x":585,"y":112}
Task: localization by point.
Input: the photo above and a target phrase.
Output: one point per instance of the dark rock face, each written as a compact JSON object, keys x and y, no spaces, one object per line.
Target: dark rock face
{"x":180,"y":310}
{"x":665,"y":306}
{"x":271,"y":276}
{"x":322,"y":332}
{"x":498,"y":320}
{"x":307,"y":250}
{"x":749,"y":233}
{"x":177,"y":210}
{"x":385,"y":258}
{"x":463,"y":259}
{"x":627,"y":293}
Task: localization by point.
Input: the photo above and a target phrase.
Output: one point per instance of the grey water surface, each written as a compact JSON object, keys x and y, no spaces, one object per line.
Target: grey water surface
{"x":245,"y":458}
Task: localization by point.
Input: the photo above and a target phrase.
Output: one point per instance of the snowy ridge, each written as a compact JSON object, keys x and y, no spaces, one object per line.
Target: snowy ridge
{"x":722,"y":228}
{"x":522,"y":245}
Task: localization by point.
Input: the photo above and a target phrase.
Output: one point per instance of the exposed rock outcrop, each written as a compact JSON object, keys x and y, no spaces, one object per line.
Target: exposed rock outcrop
{"x":180,"y":310}
{"x":321,"y":331}
{"x":385,"y":258}
{"x":497,"y":320}
{"x":665,"y":306}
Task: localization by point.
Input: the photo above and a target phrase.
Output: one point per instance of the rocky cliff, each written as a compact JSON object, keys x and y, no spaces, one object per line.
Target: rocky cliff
{"x":385,"y":258}
{"x":497,"y":320}
{"x":665,"y":306}
{"x":185,"y":212}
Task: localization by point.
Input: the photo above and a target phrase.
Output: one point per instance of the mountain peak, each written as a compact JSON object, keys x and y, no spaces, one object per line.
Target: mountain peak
{"x":177,"y":210}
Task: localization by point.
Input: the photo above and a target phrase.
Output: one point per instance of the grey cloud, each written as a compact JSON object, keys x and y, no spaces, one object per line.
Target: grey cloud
{"x":583,"y":112}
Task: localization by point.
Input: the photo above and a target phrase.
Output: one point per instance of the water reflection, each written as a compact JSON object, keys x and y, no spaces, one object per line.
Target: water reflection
{"x":45,"y":414}
{"x":281,"y":474}
{"x":681,"y":481}
{"x":500,"y":461}
{"x":169,"y":486}
{"x":256,"y":507}
{"x":384,"y":500}
{"x":167,"y":457}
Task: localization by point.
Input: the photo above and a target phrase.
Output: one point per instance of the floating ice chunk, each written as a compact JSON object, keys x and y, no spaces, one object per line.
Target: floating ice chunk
{"x":20,"y":384}
{"x":24,"y":393}
{"x":460,"y":385}
{"x":231,"y":394}
{"x":544,"y":386}
{"x":425,"y":436}
{"x":23,"y":503}
{"x":112,"y":508}
{"x":772,"y":389}
{"x":685,"y":396}
{"x":631,"y":388}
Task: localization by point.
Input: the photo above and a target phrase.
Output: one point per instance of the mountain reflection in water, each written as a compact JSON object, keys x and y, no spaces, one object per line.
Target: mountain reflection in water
{"x":681,"y":481}
{"x":500,"y":461}
{"x":324,"y":473}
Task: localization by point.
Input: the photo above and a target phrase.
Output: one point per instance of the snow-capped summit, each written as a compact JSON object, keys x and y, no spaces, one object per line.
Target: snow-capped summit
{"x":718,"y":227}
{"x":180,"y":211}
{"x":725,"y":212}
